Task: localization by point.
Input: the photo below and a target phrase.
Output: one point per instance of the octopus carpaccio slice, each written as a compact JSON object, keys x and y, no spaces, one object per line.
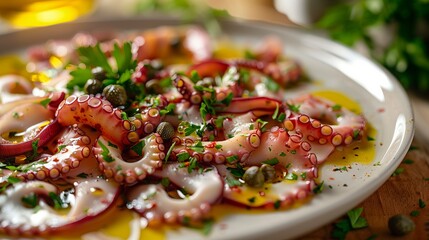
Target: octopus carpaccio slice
{"x":36,"y":216}
{"x":153,"y":202}
{"x":163,"y":118}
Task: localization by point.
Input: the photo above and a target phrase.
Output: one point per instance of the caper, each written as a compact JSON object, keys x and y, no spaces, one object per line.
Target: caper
{"x":269,"y":172}
{"x":400,"y":225}
{"x":166,"y":130}
{"x":115,"y":94}
{"x":98,"y":73}
{"x":93,"y":86}
{"x":253,"y":177}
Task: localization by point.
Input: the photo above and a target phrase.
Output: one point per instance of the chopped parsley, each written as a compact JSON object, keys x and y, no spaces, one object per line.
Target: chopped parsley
{"x":414,"y":213}
{"x":238,"y":171}
{"x":82,"y":175}
{"x":61,"y":147}
{"x":198,"y":147}
{"x":354,"y":221}
{"x":408,"y":161}
{"x":291,"y":176}
{"x":232,"y":182}
{"x":170,"y":150}
{"x":293,"y":108}
{"x":319,"y":187}
{"x":31,"y":200}
{"x":35,"y":147}
{"x":165,"y":182}
{"x":336,"y":107}
{"x":232,"y":158}
{"x":183,"y":156}
{"x":422,"y":204}
{"x":272,"y":161}
{"x":45,"y":102}
{"x":105,"y":152}
{"x":169,"y":109}
{"x":138,"y":147}
{"x":12,"y":179}
{"x":398,"y":171}
{"x":58,"y":202}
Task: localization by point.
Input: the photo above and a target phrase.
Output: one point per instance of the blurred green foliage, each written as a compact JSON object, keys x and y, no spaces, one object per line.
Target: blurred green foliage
{"x":407,"y":54}
{"x":187,"y":10}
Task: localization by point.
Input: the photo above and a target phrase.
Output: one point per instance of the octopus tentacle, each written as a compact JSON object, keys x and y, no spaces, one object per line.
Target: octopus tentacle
{"x":153,"y":202}
{"x":113,"y":165}
{"x":283,"y":72}
{"x":243,"y":105}
{"x":237,"y":148}
{"x":324,"y":122}
{"x":162,"y":42}
{"x":85,"y":205}
{"x":74,"y":145}
{"x":99,"y":114}
{"x":293,"y":151}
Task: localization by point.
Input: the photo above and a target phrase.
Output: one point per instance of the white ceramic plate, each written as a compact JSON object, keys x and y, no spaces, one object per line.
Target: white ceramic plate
{"x":338,"y":68}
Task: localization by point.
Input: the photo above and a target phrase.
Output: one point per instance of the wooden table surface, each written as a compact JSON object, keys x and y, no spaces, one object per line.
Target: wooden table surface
{"x":399,"y":195}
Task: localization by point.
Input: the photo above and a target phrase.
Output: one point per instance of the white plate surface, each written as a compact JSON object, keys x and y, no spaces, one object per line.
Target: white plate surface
{"x":338,"y":68}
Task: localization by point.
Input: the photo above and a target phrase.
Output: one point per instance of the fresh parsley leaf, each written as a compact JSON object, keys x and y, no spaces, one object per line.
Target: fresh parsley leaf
{"x":198,"y":147}
{"x":169,"y":109}
{"x":336,"y":107}
{"x":79,"y":77}
{"x":398,"y":171}
{"x":31,"y":200}
{"x":356,"y":220}
{"x":165,"y":182}
{"x":170,"y":150}
{"x":183,"y":156}
{"x":291,"y":176}
{"x":272,"y":161}
{"x":12,"y":179}
{"x":414,"y":213}
{"x":45,"y":102}
{"x":138,"y":147}
{"x":58,"y":202}
{"x":232,"y":182}
{"x":232,"y":158}
{"x":123,"y":57}
{"x":422,"y":204}
{"x":408,"y":161}
{"x":270,"y":84}
{"x":82,"y":175}
{"x":93,"y":56}
{"x":293,"y":108}
{"x":319,"y":187}
{"x":226,"y":101}
{"x":105,"y":152}
{"x":193,"y":164}
{"x":237,"y":171}
{"x":61,"y":147}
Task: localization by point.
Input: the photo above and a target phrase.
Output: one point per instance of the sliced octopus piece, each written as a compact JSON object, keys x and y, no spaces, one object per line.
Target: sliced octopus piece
{"x":153,"y":202}
{"x":90,"y":199}
{"x":271,"y":195}
{"x":113,"y":165}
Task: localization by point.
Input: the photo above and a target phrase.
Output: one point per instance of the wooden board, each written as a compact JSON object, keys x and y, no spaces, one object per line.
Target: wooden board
{"x":399,"y":195}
